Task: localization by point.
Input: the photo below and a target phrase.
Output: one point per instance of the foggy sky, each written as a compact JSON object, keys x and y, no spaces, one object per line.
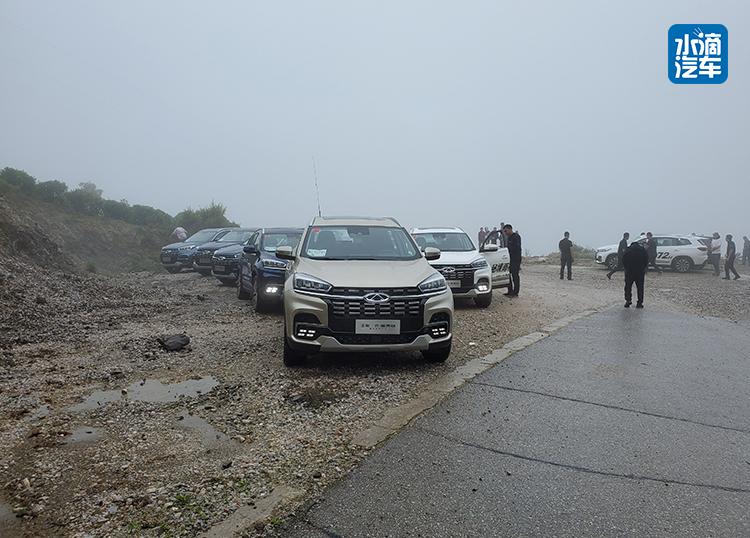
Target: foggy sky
{"x":550,"y":115}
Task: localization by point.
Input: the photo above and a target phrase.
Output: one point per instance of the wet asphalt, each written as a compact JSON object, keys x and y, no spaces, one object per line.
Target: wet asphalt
{"x":625,"y":423}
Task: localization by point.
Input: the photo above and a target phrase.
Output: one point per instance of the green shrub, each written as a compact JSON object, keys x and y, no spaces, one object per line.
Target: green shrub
{"x":18,"y":179}
{"x":51,"y":191}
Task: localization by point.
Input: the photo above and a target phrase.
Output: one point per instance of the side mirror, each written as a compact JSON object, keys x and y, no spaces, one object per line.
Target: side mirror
{"x":489,"y":247}
{"x":250,"y":249}
{"x":431,"y":253}
{"x":285,"y":253}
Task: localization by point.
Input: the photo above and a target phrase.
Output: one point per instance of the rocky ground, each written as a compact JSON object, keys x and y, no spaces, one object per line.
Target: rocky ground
{"x":104,"y":433}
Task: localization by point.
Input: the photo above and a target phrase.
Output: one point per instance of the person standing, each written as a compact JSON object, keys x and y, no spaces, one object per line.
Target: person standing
{"x":745,"y":250}
{"x":714,"y":256}
{"x":635,"y":261}
{"x":621,"y":248}
{"x":495,"y":235}
{"x":651,"y":251}
{"x":482,"y":235}
{"x":514,"y":250}
{"x":502,"y":241}
{"x":566,"y":255}
{"x":729,"y":259}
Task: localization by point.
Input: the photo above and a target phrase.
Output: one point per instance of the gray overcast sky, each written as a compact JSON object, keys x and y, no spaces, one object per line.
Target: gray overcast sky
{"x":549,"y":115}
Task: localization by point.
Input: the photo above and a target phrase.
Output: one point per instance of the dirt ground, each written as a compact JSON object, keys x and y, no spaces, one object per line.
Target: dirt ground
{"x":103,"y":433}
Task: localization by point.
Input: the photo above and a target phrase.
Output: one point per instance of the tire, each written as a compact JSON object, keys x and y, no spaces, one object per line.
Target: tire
{"x":262,"y":304}
{"x":173,"y":270}
{"x":241,"y":292}
{"x":611,"y":261}
{"x":483,"y":301}
{"x":438,"y":355}
{"x":292,"y":357}
{"x":682,"y":264}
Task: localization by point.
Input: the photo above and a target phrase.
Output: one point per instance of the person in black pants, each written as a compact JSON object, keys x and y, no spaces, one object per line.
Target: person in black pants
{"x":566,"y":256}
{"x":745,"y":250}
{"x":514,"y":249}
{"x":635,"y":261}
{"x":621,"y":248}
{"x":729,"y":259}
{"x":651,"y":250}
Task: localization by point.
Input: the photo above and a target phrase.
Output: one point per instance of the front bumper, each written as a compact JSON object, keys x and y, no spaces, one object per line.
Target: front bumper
{"x":314,"y":312}
{"x":176,"y":259}
{"x":225,"y":267}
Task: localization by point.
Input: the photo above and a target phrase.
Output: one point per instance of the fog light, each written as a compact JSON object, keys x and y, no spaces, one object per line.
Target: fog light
{"x":305,"y":332}
{"x":272,"y":289}
{"x":483,"y":287}
{"x":439,"y":331}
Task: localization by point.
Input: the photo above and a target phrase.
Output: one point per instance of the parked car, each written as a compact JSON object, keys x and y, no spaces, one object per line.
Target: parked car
{"x":679,"y":252}
{"x":362,"y":284}
{"x":178,"y":256}
{"x":261,"y":273}
{"x":203,"y":259}
{"x":225,"y":263}
{"x":470,"y":272}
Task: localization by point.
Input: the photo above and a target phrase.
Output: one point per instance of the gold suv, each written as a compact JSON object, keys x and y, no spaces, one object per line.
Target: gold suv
{"x":362,"y":284}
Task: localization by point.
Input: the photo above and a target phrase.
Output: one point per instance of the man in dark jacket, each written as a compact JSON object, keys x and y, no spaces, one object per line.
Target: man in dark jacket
{"x":745,"y":250}
{"x":651,"y":251}
{"x":621,"y":248}
{"x":635,"y":261}
{"x":729,"y":259}
{"x":514,"y":250}
{"x":566,"y":256}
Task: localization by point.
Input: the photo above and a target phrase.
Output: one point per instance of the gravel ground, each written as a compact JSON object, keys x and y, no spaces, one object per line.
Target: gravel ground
{"x":185,"y":438}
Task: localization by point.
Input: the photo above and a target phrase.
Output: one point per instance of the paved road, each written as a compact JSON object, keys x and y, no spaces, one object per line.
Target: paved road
{"x":627,"y":423}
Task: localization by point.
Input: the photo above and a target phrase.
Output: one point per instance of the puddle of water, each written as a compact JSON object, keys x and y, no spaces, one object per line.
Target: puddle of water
{"x":211,"y":437}
{"x":149,"y":391}
{"x":83,"y":434}
{"x":40,"y":412}
{"x":9,"y":523}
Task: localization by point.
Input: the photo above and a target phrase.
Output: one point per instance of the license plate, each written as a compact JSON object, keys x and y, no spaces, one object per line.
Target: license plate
{"x":205,"y":261}
{"x":166,"y":259}
{"x":219,"y":268}
{"x":453,"y":283}
{"x":377,"y":326}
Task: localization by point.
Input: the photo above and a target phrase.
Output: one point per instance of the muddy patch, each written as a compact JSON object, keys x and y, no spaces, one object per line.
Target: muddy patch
{"x":83,"y":435}
{"x":149,"y":390}
{"x":211,"y":438}
{"x":10,"y":525}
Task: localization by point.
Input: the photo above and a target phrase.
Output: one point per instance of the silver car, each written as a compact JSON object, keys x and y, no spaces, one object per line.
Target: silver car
{"x":362,"y":284}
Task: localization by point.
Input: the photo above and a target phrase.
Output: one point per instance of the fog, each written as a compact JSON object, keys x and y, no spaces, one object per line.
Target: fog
{"x":549,"y":115}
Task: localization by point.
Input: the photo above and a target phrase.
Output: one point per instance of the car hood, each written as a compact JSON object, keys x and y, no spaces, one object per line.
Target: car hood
{"x":177,"y":245}
{"x":215,"y":245}
{"x":609,"y":247}
{"x":367,"y":273}
{"x":231,"y":249}
{"x":456,"y":258}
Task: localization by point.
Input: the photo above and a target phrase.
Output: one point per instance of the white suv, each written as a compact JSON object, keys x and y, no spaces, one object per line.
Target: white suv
{"x":680,"y":252}
{"x":361,"y":284}
{"x":469,"y":272}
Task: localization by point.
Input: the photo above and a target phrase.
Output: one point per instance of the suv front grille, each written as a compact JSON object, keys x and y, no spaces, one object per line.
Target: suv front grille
{"x":395,"y":308}
{"x":462,"y":273}
{"x":375,"y":339}
{"x":343,"y":311}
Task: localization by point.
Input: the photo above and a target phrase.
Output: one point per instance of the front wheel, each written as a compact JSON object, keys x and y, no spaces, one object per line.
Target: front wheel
{"x":682,"y":264}
{"x":437,"y":355}
{"x":483,"y":301}
{"x":173,"y":270}
{"x":611,"y":262}
{"x":292,"y":357}
{"x":241,"y":292}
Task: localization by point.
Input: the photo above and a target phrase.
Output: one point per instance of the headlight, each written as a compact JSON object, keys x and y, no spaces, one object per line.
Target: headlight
{"x":479,"y":263}
{"x":435,"y":282}
{"x":305,"y":282}
{"x":273,"y":264}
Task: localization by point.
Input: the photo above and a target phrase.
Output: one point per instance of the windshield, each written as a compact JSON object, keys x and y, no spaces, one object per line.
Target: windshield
{"x":238,"y":236}
{"x":359,"y":243}
{"x":272,"y":241}
{"x":204,"y":236}
{"x":446,"y":242}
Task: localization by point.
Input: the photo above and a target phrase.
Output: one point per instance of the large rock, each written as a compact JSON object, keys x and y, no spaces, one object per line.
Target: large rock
{"x":175,"y":342}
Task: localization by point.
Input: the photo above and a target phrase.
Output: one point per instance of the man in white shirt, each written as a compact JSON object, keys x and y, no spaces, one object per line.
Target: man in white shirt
{"x":714,"y":255}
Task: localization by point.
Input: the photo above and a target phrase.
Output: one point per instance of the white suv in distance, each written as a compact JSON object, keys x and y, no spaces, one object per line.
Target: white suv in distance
{"x":361,"y":284}
{"x":469,"y":272}
{"x":679,"y":252}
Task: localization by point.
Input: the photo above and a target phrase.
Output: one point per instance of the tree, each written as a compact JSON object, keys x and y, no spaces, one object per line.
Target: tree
{"x":51,"y":191}
{"x":19,"y":179}
{"x":211,"y":216}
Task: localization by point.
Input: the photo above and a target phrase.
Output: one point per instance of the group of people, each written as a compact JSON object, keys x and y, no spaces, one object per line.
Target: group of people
{"x":714,"y":254}
{"x":495,"y":236}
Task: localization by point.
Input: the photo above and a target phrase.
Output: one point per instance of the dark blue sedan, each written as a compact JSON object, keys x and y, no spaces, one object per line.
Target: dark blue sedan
{"x":261,"y":273}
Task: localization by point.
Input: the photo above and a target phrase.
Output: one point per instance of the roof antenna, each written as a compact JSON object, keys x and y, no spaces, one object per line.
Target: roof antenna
{"x":317,"y":190}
